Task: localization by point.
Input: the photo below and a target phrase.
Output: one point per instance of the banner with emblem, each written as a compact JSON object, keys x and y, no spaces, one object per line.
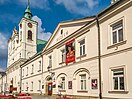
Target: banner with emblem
{"x":70,"y":51}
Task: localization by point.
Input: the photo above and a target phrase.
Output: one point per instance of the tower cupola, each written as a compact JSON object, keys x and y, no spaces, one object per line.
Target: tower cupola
{"x":28,"y":13}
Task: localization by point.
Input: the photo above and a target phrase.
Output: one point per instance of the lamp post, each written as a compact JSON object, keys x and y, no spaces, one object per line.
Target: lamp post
{"x":50,"y":71}
{"x":51,"y":74}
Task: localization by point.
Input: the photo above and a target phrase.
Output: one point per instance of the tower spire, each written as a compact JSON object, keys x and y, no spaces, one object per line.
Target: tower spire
{"x":29,"y":3}
{"x":28,"y":13}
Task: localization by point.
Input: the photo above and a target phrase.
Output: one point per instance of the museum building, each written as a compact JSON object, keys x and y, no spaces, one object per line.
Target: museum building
{"x":84,"y":58}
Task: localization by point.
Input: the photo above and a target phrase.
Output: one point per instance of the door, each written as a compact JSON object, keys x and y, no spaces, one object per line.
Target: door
{"x":50,"y":88}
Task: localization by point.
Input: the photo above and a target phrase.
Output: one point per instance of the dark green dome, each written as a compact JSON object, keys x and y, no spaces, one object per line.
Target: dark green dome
{"x":28,"y":13}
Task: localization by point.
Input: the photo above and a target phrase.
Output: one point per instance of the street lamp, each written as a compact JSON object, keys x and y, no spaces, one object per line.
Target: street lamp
{"x":51,"y":75}
{"x":50,"y":71}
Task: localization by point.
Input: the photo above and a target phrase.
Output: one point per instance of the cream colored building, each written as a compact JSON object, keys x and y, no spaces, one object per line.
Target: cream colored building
{"x":69,"y":63}
{"x":2,"y":82}
{"x":81,"y":77}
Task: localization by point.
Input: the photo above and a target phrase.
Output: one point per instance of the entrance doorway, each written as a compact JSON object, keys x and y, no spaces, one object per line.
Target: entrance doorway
{"x":49,"y":86}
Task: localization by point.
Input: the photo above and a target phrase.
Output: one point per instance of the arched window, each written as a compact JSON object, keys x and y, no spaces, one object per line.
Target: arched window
{"x":30,"y":35}
{"x":20,"y":26}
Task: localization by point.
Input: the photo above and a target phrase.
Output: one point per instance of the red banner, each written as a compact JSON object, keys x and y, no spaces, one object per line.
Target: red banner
{"x":70,"y":51}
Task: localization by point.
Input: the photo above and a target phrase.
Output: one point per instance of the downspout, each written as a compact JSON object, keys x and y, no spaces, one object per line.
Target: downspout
{"x":20,"y":78}
{"x":2,"y":83}
{"x":42,"y":72}
{"x":99,"y":58}
{"x":6,"y":80}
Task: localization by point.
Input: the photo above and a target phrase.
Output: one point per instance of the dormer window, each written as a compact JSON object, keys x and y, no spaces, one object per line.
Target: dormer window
{"x":30,"y":35}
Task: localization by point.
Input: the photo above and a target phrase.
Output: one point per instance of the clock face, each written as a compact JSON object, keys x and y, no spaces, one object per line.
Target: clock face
{"x":29,"y":25}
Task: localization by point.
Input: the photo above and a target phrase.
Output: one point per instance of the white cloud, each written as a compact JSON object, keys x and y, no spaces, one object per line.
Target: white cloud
{"x":42,"y":4}
{"x":3,"y":42}
{"x":81,"y":7}
{"x":3,"y":47}
{"x":42,"y":34}
{"x":3,"y":51}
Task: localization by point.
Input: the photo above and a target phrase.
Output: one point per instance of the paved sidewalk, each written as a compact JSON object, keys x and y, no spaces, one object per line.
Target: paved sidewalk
{"x":40,"y":97}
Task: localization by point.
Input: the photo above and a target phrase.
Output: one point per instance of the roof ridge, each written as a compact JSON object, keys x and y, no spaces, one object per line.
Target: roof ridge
{"x":41,"y":40}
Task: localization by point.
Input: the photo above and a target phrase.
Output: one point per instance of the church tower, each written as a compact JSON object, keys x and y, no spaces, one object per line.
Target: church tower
{"x":22,"y":45}
{"x":28,"y":34}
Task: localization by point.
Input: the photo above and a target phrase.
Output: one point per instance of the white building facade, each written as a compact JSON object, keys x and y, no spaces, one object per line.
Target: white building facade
{"x":69,"y":63}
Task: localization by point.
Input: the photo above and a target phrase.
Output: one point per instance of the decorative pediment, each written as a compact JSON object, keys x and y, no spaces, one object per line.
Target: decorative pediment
{"x":64,"y":29}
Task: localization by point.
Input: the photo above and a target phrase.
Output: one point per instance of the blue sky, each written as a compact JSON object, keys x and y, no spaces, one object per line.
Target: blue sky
{"x":48,"y":13}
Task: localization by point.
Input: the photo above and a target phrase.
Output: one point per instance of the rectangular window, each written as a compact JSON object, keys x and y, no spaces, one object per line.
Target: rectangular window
{"x":83,"y":82}
{"x":39,"y":84}
{"x":117,"y":32}
{"x":32,"y":69}
{"x":63,"y":55}
{"x":118,"y":79}
{"x":50,"y":61}
{"x":26,"y":86}
{"x":82,"y":47}
{"x":32,"y":85}
{"x":63,"y":83}
{"x":22,"y":86}
{"x":39,"y":65}
{"x":23,"y":73}
{"x":27,"y":71}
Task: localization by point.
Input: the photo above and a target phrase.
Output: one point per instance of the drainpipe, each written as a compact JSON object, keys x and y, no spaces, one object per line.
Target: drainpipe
{"x":42,"y":73}
{"x":20,"y":78}
{"x":99,"y":58}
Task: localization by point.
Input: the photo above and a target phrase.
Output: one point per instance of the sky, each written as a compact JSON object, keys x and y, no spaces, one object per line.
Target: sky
{"x":48,"y":13}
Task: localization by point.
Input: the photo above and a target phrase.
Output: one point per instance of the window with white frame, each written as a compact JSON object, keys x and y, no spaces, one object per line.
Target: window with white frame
{"x":22,"y":86}
{"x":63,"y":83}
{"x":32,"y":69}
{"x":20,"y":55}
{"x":63,"y":56}
{"x":117,"y":32}
{"x":118,"y":79}
{"x":50,"y":61}
{"x":39,"y":82}
{"x":32,"y":85}
{"x":39,"y":65}
{"x":27,"y":71}
{"x":82,"y":47}
{"x":83,"y":82}
{"x":23,"y":73}
{"x":26,"y":86}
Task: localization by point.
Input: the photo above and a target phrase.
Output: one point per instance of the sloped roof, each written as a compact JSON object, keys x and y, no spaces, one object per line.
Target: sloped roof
{"x":40,"y":45}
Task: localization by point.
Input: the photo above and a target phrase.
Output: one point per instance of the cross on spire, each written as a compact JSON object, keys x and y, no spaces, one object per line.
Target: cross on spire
{"x":29,"y":3}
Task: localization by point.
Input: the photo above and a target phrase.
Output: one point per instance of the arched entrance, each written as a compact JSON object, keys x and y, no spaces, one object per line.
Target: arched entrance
{"x":48,"y":88}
